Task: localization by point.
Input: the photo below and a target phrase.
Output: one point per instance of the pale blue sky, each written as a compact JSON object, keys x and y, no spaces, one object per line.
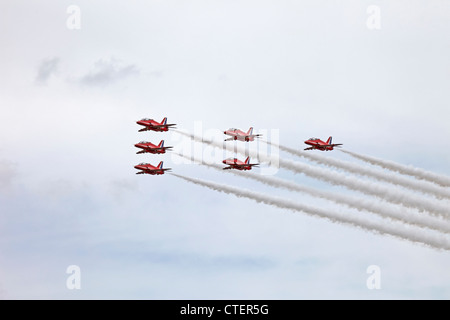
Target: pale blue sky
{"x":70,"y":99}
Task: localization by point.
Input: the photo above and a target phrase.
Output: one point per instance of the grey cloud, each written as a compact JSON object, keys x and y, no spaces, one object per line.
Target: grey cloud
{"x":156,"y":73}
{"x":118,"y":187}
{"x":57,"y":189}
{"x":8,"y":172}
{"x":3,"y":293}
{"x":106,"y":72}
{"x":47,"y":67}
{"x":134,"y":250}
{"x":222,"y":77}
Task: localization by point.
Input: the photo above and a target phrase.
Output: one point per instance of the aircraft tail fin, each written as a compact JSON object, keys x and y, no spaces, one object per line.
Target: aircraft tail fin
{"x":250,"y":131}
{"x":247,"y":161}
{"x":164,"y":121}
{"x":329,"y":140}
{"x":161,"y":144}
{"x":160,"y":165}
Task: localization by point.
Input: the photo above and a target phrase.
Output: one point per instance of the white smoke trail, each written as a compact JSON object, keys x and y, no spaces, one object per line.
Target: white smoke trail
{"x":384,"y":192}
{"x":381,"y":191}
{"x":399,"y":231}
{"x":421,"y":186}
{"x":418,"y":173}
{"x":382,"y":209}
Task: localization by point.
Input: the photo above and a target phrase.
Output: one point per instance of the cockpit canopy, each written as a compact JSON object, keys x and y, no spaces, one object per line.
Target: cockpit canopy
{"x":313,"y":139}
{"x":142,"y":164}
{"x":146,"y":119}
{"x":143,"y":142}
{"x":232,"y":129}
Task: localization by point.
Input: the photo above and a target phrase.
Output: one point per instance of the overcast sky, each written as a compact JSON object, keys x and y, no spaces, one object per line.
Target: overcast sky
{"x":70,"y":94}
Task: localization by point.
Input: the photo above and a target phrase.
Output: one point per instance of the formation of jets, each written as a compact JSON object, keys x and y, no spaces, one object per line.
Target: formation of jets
{"x":148,"y":147}
{"x":239,"y":135}
{"x":232,"y":163}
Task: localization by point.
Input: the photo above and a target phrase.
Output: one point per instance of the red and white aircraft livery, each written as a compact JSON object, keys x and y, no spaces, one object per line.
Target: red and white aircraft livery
{"x":234,"y":163}
{"x":148,"y":147}
{"x":153,"y":125}
{"x":149,"y":169}
{"x":237,"y":134}
{"x":317,"y":144}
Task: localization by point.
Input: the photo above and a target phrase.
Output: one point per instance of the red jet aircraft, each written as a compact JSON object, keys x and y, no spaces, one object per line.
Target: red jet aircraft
{"x":148,"y":147}
{"x":317,"y":144}
{"x":149,"y":169}
{"x":234,"y":163}
{"x":237,"y":134}
{"x":153,"y":125}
